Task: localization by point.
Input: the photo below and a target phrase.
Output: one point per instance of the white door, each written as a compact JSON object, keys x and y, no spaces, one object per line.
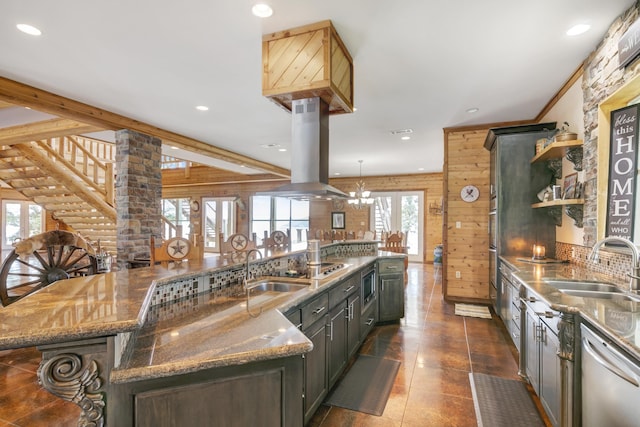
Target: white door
{"x":20,"y":220}
{"x":218,"y":215}
{"x":401,"y":211}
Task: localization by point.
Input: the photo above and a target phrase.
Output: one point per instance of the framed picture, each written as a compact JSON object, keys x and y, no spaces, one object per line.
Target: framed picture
{"x":569,"y":187}
{"x":337,"y":220}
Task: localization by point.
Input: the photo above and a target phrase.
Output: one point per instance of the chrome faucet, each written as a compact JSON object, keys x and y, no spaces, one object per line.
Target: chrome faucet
{"x":246,"y":271}
{"x":246,"y":280}
{"x":634,"y":284}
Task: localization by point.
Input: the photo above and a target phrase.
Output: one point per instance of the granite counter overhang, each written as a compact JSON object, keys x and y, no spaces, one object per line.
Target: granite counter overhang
{"x":619,"y":321}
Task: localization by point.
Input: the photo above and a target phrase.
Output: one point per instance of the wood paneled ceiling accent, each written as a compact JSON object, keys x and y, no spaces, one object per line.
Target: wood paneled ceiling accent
{"x":20,"y":94}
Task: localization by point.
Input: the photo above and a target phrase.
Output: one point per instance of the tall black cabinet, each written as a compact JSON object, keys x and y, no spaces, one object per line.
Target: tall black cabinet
{"x":514,"y":226}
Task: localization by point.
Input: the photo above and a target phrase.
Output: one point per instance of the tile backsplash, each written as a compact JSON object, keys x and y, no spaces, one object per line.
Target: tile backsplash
{"x":616,"y":264}
{"x":226,"y":281}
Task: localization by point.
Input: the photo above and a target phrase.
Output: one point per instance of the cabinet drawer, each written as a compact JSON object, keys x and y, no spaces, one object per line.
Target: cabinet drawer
{"x":390,"y":266}
{"x":514,"y":331}
{"x":515,"y":314}
{"x":341,"y":291}
{"x":315,"y":310}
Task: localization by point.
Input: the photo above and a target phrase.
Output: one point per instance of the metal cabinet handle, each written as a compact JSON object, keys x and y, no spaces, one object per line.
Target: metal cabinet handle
{"x":349,"y":289}
{"x":391,"y":267}
{"x":370,"y":321}
{"x":319,"y":310}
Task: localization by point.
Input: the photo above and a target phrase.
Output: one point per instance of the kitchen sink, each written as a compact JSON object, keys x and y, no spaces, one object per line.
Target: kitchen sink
{"x":567,"y":285}
{"x":274,"y":286}
{"x":615,"y":296}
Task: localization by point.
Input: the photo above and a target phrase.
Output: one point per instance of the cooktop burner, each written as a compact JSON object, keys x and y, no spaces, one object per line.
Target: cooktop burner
{"x":326,"y":269}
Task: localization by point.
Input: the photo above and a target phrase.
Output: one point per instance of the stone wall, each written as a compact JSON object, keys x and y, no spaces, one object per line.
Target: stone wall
{"x":601,"y":78}
{"x":138,"y":194}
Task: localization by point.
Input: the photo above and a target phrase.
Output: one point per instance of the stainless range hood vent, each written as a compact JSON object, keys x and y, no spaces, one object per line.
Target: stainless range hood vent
{"x":309,"y":153}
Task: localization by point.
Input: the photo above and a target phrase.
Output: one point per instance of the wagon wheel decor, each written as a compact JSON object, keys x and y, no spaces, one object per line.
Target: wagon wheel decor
{"x":40,"y":260}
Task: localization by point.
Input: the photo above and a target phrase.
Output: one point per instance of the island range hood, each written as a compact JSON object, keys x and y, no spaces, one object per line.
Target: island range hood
{"x":309,"y":153}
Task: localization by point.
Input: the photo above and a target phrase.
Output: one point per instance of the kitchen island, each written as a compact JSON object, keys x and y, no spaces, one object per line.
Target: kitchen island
{"x":120,"y":344}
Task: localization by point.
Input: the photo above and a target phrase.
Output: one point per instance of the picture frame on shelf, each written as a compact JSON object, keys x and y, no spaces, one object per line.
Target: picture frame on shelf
{"x":569,"y":187}
{"x":337,"y":220}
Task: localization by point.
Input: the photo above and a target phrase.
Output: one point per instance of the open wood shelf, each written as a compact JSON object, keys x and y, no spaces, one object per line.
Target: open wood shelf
{"x":562,"y":202}
{"x":556,"y":150}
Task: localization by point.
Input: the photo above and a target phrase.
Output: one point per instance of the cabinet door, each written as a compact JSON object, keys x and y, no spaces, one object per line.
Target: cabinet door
{"x":353,"y":325}
{"x":532,"y":350}
{"x":391,"y":301}
{"x":550,"y":375}
{"x":337,"y":341}
{"x":315,"y":372}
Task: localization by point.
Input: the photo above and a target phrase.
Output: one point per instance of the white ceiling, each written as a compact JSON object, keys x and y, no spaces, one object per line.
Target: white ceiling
{"x":418,"y":64}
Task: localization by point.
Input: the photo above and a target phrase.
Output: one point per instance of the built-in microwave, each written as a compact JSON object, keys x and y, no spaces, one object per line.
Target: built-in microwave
{"x":368,"y":280}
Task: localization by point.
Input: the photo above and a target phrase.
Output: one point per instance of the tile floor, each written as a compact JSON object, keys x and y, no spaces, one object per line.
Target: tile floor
{"x":437,"y":350}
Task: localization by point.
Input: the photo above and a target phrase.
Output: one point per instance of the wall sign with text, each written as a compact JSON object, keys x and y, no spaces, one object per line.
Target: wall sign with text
{"x":622,"y":171}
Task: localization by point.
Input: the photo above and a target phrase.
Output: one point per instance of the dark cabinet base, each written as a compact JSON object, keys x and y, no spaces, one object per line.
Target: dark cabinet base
{"x":269,"y":391}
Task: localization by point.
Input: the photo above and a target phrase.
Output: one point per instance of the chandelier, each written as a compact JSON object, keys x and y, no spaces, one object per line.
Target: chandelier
{"x":360,"y":198}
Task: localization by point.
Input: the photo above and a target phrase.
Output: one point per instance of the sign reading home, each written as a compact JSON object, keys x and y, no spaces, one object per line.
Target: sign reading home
{"x":622,"y":171}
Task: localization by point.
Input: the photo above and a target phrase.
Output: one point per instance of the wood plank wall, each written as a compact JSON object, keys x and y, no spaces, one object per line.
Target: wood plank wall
{"x":429,"y":183}
{"x":466,"y":248}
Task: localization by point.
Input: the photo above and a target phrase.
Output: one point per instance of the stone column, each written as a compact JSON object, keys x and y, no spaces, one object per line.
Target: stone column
{"x":138,"y":194}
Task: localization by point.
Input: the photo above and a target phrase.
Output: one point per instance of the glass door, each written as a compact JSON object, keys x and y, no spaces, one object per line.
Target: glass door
{"x":20,"y":220}
{"x":401,"y":211}
{"x":218,"y":216}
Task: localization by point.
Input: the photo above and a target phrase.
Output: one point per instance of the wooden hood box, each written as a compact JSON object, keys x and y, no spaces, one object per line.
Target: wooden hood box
{"x":306,"y":62}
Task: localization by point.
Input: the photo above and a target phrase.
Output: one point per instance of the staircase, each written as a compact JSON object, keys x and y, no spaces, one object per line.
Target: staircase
{"x":72,"y":178}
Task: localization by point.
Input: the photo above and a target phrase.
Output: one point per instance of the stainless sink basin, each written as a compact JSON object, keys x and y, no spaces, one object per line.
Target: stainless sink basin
{"x":274,"y":286}
{"x":568,"y":285}
{"x":615,"y":296}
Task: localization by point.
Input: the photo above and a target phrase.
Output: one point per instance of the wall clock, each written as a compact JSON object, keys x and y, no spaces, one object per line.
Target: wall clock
{"x":470,"y":193}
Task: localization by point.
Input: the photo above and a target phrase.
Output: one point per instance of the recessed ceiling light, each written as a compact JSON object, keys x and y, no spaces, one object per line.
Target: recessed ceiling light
{"x":262,"y":10}
{"x":420,"y":169}
{"x":473,"y":110}
{"x":337,"y":173}
{"x":282,"y":149}
{"x":578,"y":29}
{"x":173,"y":147}
{"x":202,"y":108}
{"x":405,"y":138}
{"x":29,"y":29}
{"x":270,"y":145}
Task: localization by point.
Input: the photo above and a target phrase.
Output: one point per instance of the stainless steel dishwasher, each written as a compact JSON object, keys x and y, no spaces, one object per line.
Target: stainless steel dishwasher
{"x":610,"y":383}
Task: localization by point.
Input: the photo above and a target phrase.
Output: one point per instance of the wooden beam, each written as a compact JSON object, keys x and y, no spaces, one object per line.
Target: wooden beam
{"x":43,"y":130}
{"x":21,"y":94}
{"x":5,"y":105}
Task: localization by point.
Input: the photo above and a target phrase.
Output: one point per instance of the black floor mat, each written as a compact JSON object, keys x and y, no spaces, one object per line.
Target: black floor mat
{"x":501,"y":402}
{"x":367,"y":385}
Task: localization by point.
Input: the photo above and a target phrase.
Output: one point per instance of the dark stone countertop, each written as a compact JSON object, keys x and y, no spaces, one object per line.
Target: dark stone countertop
{"x":618,"y":320}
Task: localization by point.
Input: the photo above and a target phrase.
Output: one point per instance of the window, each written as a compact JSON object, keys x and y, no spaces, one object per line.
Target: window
{"x":176,"y":221}
{"x":219,"y":217}
{"x":269,"y":214}
{"x":20,"y":220}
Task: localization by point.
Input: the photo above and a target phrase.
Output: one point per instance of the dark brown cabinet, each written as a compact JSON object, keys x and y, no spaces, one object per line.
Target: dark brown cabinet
{"x":390,"y":289}
{"x":315,"y":318}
